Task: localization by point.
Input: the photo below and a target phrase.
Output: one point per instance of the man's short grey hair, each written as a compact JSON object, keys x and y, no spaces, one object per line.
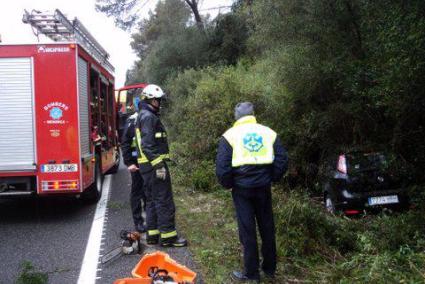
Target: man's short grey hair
{"x":243,"y":109}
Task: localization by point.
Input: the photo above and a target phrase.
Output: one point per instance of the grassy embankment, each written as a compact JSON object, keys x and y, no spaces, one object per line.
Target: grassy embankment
{"x":313,"y":246}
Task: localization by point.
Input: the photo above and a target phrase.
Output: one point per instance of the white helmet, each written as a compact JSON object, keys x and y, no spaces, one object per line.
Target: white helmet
{"x":152,"y":91}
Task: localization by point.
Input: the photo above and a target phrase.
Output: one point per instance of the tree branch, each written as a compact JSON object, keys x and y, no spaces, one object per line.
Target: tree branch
{"x":193,"y":4}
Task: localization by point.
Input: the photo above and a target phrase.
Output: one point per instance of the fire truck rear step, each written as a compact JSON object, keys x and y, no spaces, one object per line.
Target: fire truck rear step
{"x":17,"y":186}
{"x":16,"y":193}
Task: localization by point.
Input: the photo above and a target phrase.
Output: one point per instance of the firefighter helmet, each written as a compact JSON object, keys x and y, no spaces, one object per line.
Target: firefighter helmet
{"x":152,"y":92}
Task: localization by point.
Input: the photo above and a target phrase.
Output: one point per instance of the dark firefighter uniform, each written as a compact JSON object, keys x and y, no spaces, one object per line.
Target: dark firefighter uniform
{"x":129,"y":153}
{"x":250,"y":157}
{"x":153,"y":153}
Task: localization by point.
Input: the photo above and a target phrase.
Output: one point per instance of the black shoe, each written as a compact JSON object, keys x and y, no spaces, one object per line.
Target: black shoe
{"x":140,"y":228}
{"x":173,"y":242}
{"x":152,"y":240}
{"x":268,"y":276}
{"x":241,"y":277}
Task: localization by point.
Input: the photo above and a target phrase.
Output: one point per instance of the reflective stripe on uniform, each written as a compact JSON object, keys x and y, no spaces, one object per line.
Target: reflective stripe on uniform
{"x":165,"y":156}
{"x":168,"y":235}
{"x":153,"y":232}
{"x":252,"y":143}
{"x":133,"y":143}
{"x":160,"y":135}
{"x":160,"y":159}
{"x":142,"y":158}
{"x":156,"y":161}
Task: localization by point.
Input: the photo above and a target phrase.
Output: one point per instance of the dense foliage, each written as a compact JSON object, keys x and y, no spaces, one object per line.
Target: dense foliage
{"x":327,"y":75}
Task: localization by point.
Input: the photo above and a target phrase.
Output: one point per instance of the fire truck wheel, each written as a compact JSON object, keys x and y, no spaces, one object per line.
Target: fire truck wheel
{"x":94,"y":192}
{"x":115,"y":167}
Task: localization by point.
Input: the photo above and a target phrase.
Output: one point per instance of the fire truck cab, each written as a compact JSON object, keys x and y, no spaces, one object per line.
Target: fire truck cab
{"x":57,"y":113}
{"x":127,"y":99}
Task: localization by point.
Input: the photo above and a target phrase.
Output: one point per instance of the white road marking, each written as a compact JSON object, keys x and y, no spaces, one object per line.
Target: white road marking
{"x":88,"y":272}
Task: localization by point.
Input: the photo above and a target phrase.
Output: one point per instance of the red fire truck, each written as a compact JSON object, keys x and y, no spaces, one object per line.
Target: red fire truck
{"x":127,"y":100}
{"x":57,"y":112}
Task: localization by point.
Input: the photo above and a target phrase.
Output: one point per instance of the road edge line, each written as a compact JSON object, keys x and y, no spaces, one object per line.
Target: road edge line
{"x":88,"y":271}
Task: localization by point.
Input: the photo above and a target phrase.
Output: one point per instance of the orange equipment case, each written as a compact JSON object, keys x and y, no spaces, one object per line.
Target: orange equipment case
{"x":180,"y":273}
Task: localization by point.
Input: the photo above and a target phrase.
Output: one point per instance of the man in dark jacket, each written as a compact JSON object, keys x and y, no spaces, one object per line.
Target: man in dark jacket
{"x":129,"y":153}
{"x":250,"y":157}
{"x":153,"y":155}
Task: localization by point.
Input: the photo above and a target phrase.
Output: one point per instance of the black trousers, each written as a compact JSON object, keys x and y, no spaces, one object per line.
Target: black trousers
{"x":255,"y":204}
{"x":160,"y":208}
{"x":137,"y":196}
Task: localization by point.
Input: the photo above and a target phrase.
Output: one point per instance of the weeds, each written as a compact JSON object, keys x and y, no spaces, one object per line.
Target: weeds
{"x":28,"y":275}
{"x":313,"y":246}
{"x":113,"y":205}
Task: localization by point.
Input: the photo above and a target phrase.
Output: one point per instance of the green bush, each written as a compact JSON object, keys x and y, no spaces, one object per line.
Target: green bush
{"x":306,"y":229}
{"x":205,"y":99}
{"x":203,"y":177}
{"x":314,"y":245}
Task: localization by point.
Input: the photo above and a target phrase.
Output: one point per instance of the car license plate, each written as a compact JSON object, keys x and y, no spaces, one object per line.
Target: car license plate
{"x":59,"y":168}
{"x":389,"y":199}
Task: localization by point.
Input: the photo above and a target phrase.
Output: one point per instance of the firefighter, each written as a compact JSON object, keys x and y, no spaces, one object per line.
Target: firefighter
{"x":250,"y":157}
{"x":153,"y":157}
{"x":129,"y":153}
{"x":97,"y":140}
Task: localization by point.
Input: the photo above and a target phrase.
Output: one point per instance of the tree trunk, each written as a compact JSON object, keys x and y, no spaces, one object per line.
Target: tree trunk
{"x":193,"y":4}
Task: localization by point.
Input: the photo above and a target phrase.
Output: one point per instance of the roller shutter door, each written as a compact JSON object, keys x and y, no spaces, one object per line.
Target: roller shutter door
{"x":17,"y":146}
{"x":84,"y":107}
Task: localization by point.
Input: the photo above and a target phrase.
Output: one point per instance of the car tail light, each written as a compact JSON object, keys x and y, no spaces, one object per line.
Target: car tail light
{"x":56,"y":185}
{"x":351,"y":212}
{"x":342,"y":164}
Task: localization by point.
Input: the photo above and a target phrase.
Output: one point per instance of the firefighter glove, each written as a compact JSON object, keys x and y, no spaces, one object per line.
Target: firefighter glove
{"x":133,"y":168}
{"x":161,"y":173}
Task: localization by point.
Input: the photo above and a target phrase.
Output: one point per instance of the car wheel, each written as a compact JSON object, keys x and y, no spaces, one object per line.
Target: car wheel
{"x":329,"y":204}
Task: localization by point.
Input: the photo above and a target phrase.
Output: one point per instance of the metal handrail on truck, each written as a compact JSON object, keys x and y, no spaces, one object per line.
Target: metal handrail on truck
{"x":58,"y":28}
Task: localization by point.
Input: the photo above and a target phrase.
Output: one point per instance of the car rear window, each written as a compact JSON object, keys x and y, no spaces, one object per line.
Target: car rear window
{"x":368,"y":161}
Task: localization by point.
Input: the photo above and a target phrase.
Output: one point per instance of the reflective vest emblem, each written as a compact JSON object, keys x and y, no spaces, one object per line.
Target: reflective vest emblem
{"x":253,"y":142}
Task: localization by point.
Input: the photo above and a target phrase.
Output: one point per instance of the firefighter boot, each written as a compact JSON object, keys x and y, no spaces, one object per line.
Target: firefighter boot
{"x":140,"y":228}
{"x":152,"y":237}
{"x":173,"y":242}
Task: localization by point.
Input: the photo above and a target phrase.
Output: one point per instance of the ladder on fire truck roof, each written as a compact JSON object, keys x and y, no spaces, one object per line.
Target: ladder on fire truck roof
{"x":58,"y":28}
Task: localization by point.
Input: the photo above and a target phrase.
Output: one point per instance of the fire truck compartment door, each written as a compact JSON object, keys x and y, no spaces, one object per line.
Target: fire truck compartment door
{"x":17,"y":146}
{"x":84,"y":107}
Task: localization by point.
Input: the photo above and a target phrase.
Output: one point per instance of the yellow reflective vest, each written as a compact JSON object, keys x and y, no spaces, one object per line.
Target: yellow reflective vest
{"x":252,"y":142}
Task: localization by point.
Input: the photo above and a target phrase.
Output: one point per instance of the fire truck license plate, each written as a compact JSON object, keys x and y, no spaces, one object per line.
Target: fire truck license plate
{"x":59,"y":168}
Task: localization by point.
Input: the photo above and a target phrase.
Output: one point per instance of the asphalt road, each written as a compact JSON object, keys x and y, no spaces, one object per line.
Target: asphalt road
{"x":49,"y":233}
{"x":52,"y":234}
{"x":119,"y":218}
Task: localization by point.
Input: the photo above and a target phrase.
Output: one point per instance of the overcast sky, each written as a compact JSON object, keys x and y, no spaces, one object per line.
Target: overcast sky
{"x":113,"y":39}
